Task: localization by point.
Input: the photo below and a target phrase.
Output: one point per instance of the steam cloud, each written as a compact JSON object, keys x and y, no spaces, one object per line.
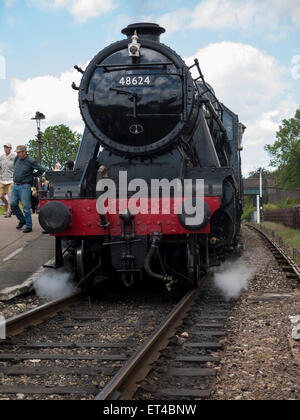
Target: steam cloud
{"x":54,"y":285}
{"x":232,"y":278}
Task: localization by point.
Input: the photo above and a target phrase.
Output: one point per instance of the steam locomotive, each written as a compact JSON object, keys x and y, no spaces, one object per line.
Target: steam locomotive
{"x":148,"y":123}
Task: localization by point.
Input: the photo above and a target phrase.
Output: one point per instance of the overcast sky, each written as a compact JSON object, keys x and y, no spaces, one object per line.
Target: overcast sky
{"x":248,"y":50}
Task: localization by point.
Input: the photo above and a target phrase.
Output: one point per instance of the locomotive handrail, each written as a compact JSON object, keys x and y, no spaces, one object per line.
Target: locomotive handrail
{"x":201,"y":76}
{"x":179,"y":74}
{"x":169,"y":63}
{"x":154,"y":115}
{"x":217,"y":118}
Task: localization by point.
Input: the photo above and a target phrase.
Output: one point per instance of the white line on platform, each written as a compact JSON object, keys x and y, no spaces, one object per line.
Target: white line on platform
{"x":13,"y":254}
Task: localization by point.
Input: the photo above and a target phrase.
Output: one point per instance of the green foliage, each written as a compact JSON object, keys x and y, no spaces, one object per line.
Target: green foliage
{"x":285,"y":204}
{"x":248,"y":209}
{"x":289,"y":202}
{"x":285,"y":152}
{"x":270,"y":207}
{"x":265,"y":173}
{"x":59,"y":144}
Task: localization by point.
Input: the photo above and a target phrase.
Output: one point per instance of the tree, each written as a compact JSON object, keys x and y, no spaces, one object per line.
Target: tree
{"x":59,"y":144}
{"x":286,"y":152}
{"x":265,"y":173}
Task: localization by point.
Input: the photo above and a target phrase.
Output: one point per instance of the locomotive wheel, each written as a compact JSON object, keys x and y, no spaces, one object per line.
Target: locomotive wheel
{"x":87,"y":264}
{"x":80,"y":261}
{"x":192,"y":265}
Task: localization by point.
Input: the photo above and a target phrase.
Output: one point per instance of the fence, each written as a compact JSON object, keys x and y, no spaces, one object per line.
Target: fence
{"x":287,"y":217}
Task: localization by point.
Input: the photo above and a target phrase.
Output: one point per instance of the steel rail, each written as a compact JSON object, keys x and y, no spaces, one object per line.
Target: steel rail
{"x":18,"y":323}
{"x":287,"y":258}
{"x":125,"y":383}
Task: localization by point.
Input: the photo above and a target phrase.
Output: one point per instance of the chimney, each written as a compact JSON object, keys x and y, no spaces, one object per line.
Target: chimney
{"x":150,"y":31}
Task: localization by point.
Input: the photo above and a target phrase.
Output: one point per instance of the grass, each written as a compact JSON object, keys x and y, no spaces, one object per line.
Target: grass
{"x":291,"y":236}
{"x":1,"y":210}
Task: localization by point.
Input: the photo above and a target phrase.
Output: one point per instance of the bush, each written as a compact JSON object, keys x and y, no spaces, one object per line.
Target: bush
{"x":270,"y":207}
{"x":248,"y":210}
{"x":285,"y":204}
{"x":289,"y":202}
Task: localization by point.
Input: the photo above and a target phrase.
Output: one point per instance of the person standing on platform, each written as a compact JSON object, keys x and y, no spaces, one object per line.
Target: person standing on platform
{"x":69,"y":166}
{"x":25,"y":169}
{"x":6,"y":177}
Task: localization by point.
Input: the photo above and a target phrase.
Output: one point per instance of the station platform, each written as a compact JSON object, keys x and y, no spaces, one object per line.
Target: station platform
{"x":22,"y":256}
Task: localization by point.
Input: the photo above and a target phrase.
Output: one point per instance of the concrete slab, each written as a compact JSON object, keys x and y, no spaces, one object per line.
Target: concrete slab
{"x":27,"y":261}
{"x":259,"y":297}
{"x":295,"y":320}
{"x":12,"y":239}
{"x":22,"y":256}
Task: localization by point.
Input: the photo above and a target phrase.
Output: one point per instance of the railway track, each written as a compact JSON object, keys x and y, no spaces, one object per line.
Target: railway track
{"x":118,"y":349}
{"x":284,"y":260}
{"x":125,"y":382}
{"x":189,"y":364}
{"x":76,"y":352}
{"x":88,"y":352}
{"x":18,"y":323}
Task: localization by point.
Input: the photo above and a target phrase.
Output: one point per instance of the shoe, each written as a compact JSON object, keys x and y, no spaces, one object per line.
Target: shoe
{"x":27,"y":230}
{"x":8,"y":214}
{"x":20,"y":225}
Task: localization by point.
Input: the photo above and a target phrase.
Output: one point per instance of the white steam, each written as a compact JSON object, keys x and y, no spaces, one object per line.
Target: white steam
{"x":232,"y":278}
{"x":54,"y":285}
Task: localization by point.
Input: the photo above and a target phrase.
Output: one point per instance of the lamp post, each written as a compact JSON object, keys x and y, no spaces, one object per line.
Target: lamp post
{"x":38,"y":117}
{"x":261,"y":193}
{"x":260,"y":197}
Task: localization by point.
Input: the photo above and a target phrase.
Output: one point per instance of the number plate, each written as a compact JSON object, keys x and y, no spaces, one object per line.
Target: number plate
{"x":143,"y":80}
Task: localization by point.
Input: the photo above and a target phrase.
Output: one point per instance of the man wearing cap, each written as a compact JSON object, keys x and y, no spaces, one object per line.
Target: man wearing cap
{"x":24,"y":170}
{"x":6,"y":177}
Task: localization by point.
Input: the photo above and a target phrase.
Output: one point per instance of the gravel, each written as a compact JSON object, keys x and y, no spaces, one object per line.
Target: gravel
{"x":261,"y":359}
{"x":20,"y":304}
